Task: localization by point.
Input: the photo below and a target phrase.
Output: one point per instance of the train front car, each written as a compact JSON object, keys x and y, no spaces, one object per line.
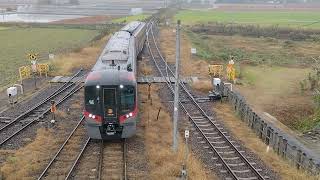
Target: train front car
{"x":111,"y":105}
{"x":111,"y":108}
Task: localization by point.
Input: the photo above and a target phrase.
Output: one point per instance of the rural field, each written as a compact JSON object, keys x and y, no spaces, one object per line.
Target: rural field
{"x":275,"y":71}
{"x":294,"y":19}
{"x":17,"y":42}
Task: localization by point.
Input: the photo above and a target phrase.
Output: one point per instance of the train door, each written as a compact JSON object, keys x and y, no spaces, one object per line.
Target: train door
{"x":110,"y":103}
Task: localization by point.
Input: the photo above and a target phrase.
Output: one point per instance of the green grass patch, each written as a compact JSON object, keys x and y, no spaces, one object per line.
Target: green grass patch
{"x":309,"y":123}
{"x":4,"y":28}
{"x":140,"y":17}
{"x":249,"y":76}
{"x":308,"y":19}
{"x":16,"y":43}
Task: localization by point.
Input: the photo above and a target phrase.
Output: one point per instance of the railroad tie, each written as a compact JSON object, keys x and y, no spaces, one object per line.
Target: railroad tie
{"x":204,"y":125}
{"x":231,"y":158}
{"x":218,"y":142}
{"x":242,"y":171}
{"x":217,"y":137}
{"x":210,"y":129}
{"x":221,"y":147}
{"x":249,"y":178}
{"x":235,"y":164}
{"x":202,"y":122}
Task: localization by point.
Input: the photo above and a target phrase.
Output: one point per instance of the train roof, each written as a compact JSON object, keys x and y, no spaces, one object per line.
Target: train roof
{"x":132,"y":26}
{"x":110,"y":77}
{"x":116,"y":50}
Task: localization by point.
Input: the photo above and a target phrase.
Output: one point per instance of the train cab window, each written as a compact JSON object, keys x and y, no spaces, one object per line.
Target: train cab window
{"x":91,"y":98}
{"x":109,"y":100}
{"x":127,"y":96}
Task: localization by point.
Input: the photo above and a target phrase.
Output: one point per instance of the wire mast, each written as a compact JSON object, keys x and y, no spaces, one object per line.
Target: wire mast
{"x":176,"y":90}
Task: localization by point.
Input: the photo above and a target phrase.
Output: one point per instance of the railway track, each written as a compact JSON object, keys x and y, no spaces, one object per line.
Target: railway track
{"x":232,"y":163}
{"x":69,"y":152}
{"x":37,"y":112}
{"x":110,"y":161}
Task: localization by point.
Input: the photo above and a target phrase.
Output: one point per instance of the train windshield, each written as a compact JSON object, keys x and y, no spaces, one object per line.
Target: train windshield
{"x":110,"y":102}
{"x":91,"y":98}
{"x":127,"y":97}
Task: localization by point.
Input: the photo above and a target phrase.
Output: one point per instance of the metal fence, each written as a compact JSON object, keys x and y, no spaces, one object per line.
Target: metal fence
{"x":284,"y":144}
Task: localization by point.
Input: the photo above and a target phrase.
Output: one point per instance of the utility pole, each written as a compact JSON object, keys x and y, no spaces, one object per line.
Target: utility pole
{"x":176,"y":91}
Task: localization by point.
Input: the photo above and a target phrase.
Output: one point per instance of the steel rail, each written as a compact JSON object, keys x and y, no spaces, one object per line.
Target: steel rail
{"x":54,"y":94}
{"x":61,"y":148}
{"x":204,"y":114}
{"x":124,"y":147}
{"x":100,"y":160}
{"x":74,"y":90}
{"x":77,"y":159}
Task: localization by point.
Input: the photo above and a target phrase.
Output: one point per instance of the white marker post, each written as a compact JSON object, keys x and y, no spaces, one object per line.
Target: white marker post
{"x":184,"y":173}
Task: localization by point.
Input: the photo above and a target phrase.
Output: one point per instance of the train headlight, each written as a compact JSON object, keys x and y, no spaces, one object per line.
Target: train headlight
{"x":93,"y":116}
{"x":121,"y":86}
{"x":90,"y":115}
{"x":98,"y":86}
{"x":127,"y":116}
{"x":130,"y":114}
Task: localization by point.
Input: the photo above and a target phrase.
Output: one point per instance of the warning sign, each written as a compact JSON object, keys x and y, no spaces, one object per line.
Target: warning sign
{"x":231,"y":72}
{"x":43,"y":69}
{"x":215,"y":70}
{"x":24,"y":72}
{"x":32,"y":56}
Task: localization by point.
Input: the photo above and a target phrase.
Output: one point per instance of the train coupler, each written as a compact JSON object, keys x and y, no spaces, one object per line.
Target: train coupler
{"x":111,"y":130}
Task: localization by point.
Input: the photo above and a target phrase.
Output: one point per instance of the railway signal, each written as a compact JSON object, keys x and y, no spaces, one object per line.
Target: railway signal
{"x":33,"y":58}
{"x":53,"y":109}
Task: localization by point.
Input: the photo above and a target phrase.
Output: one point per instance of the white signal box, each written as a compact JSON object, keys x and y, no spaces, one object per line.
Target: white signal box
{"x":186,"y":134}
{"x":193,"y":51}
{"x":12,"y":91}
{"x":51,"y":56}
